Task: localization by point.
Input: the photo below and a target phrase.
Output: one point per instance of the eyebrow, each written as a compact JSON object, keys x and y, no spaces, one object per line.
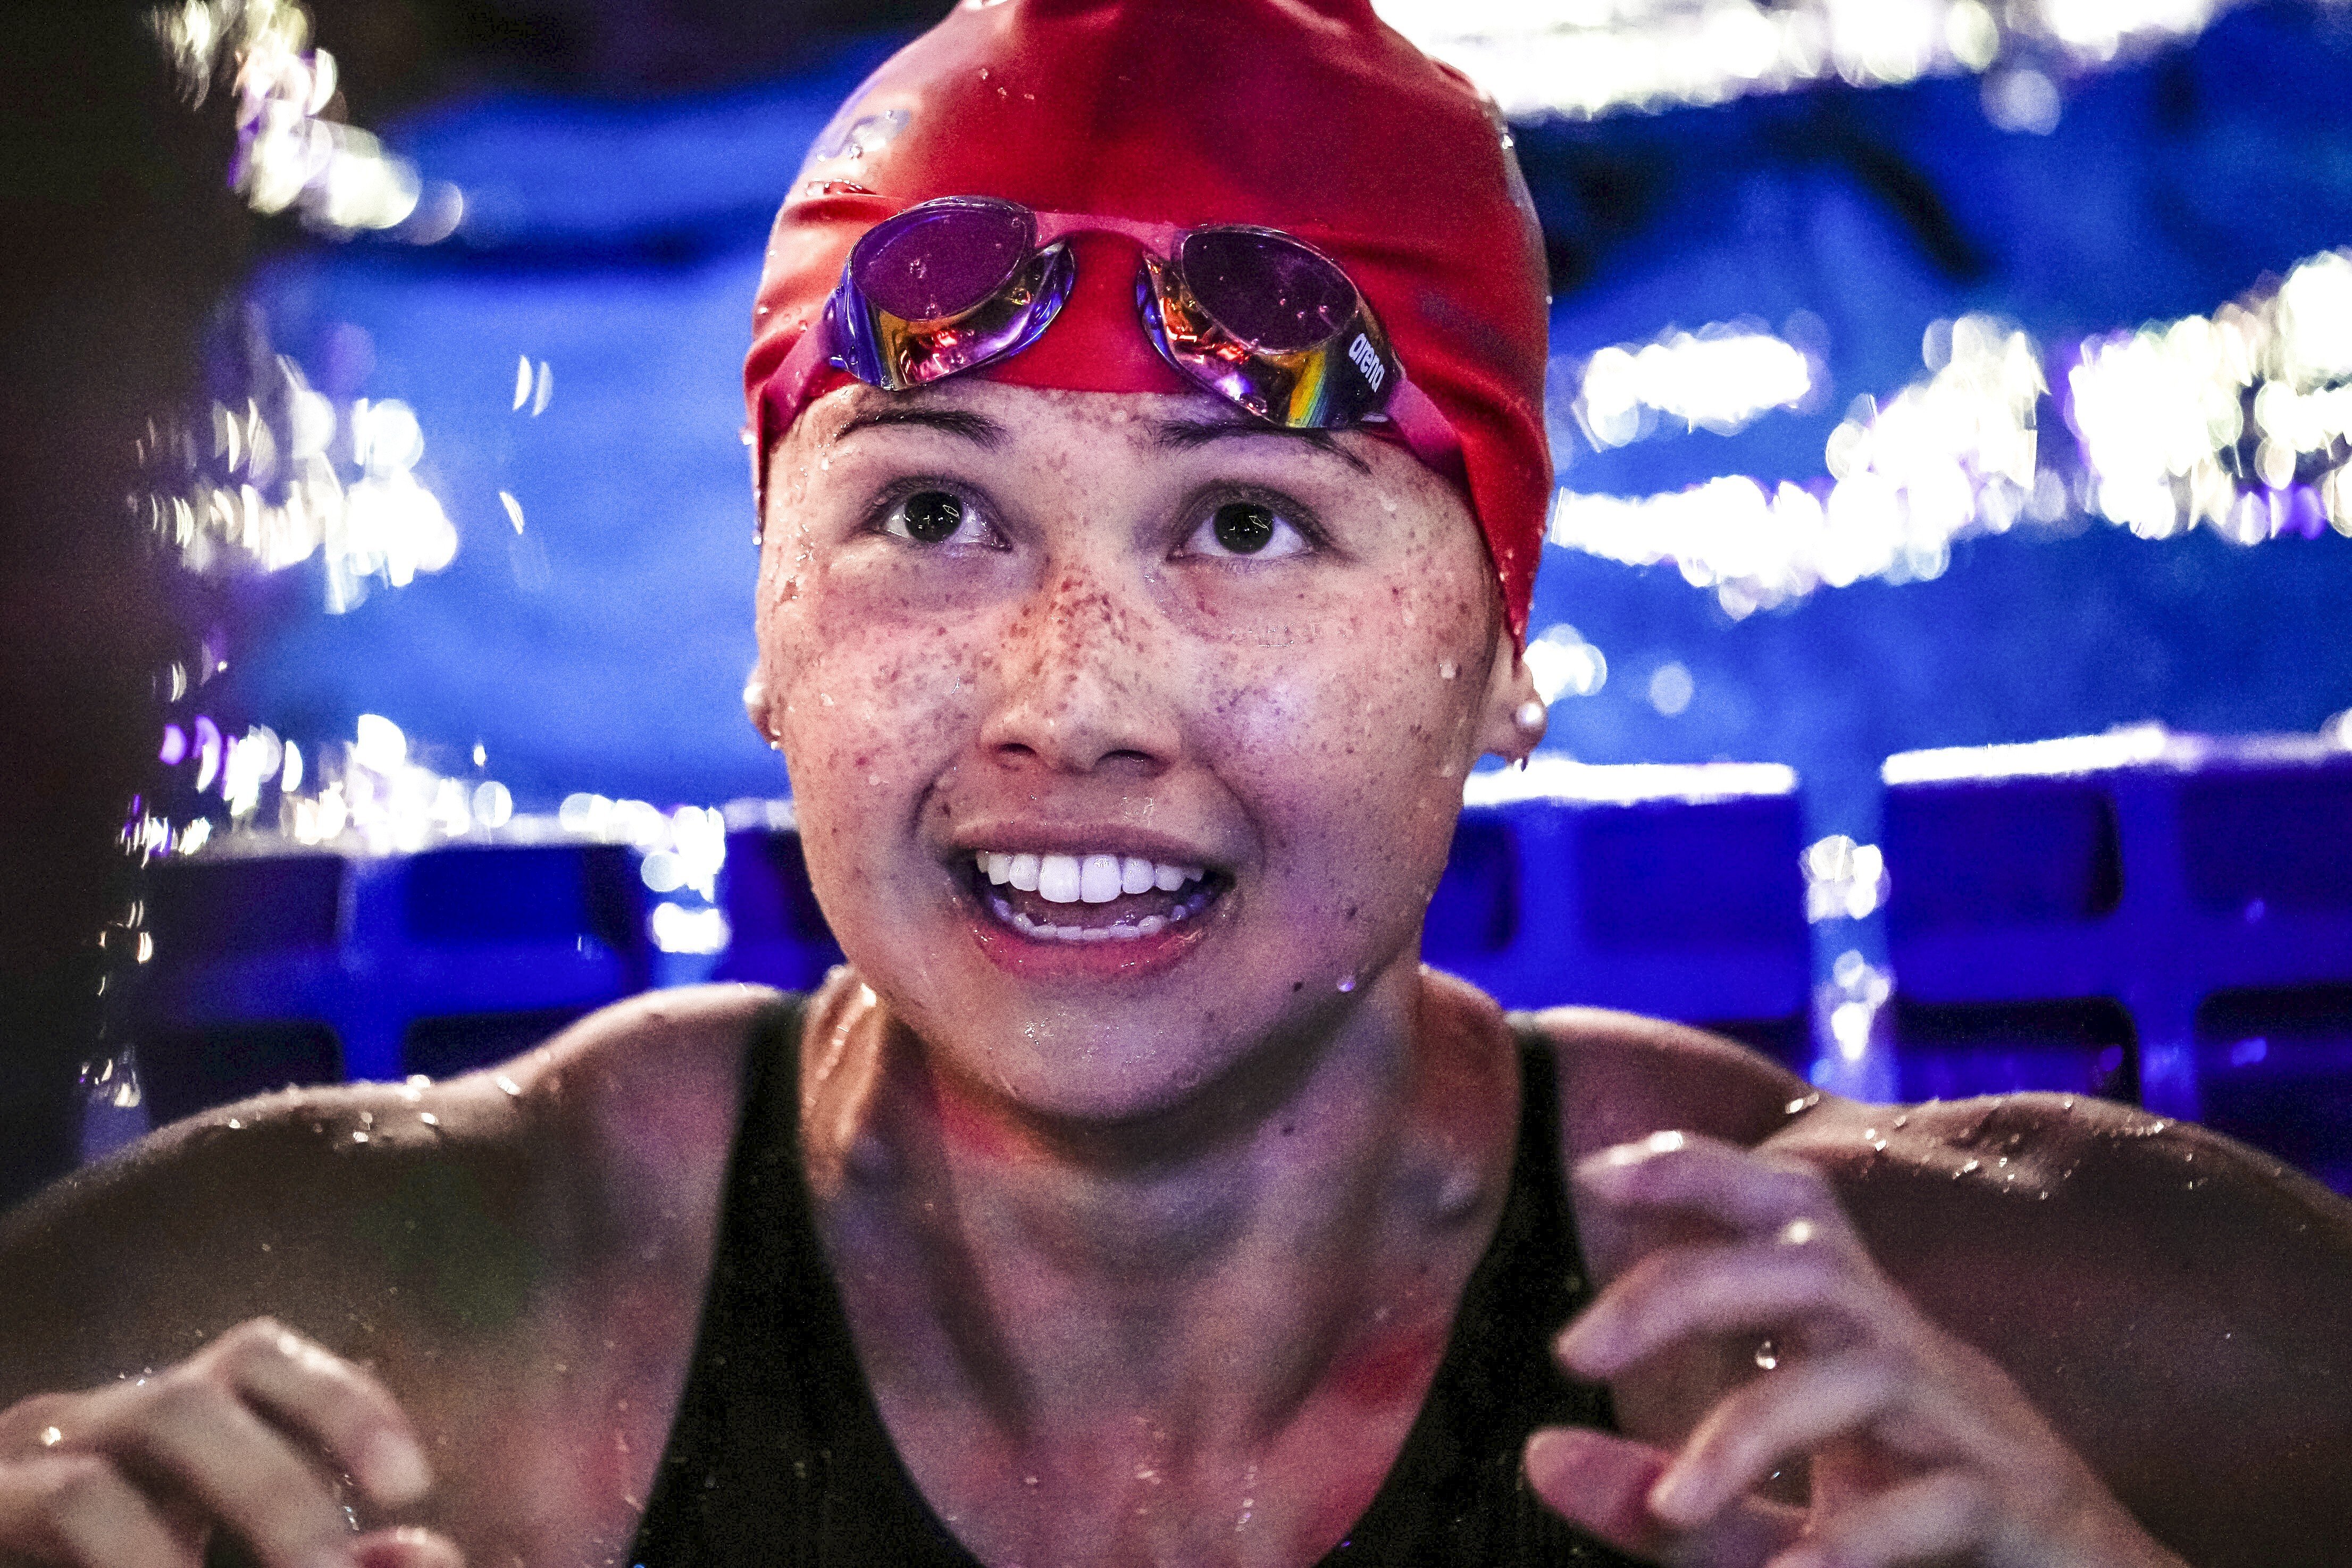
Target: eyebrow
{"x":1191,"y":435}
{"x":976,"y":428}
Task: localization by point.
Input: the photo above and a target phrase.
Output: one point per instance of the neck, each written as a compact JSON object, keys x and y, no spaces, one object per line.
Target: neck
{"x":1205,"y":1265}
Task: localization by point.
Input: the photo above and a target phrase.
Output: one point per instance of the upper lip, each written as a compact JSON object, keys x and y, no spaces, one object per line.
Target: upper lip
{"x":1064,"y":837}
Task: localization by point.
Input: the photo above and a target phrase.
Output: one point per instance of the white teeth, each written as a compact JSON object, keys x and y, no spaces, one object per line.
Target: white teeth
{"x":1058,"y":879}
{"x":1099,"y":879}
{"x":1089,"y":879}
{"x":1124,"y":931}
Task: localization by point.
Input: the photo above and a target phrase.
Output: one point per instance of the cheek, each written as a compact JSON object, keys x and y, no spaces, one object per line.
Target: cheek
{"x":871,"y":706}
{"x":1353,"y":741}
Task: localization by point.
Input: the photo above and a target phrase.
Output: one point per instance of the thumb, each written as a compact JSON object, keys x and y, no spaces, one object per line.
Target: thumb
{"x":1600,"y":1484}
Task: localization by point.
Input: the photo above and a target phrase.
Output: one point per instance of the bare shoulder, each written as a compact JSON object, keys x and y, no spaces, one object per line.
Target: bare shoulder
{"x":1624,"y":1076}
{"x":2179,"y":1304}
{"x":2076,"y":1187}
{"x":366,"y":1213}
{"x":637,"y":1103}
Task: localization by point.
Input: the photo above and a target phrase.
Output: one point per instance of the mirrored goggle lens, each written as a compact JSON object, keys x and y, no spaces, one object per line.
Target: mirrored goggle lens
{"x":1266,"y":288}
{"x":942,"y":258}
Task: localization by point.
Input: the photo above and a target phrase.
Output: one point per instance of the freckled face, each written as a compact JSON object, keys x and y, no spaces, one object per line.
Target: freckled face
{"x":1242,"y":675}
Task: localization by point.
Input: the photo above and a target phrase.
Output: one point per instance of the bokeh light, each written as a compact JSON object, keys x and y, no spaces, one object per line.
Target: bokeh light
{"x":1583,"y":58}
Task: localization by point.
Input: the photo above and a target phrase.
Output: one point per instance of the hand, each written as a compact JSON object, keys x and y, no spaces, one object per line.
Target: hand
{"x":245,"y":1438}
{"x":1919,"y":1447}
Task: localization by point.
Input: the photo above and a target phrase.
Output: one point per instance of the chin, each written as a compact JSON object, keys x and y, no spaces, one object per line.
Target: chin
{"x":1101,"y":1063}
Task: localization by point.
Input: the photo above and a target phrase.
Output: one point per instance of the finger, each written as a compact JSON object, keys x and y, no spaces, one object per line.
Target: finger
{"x":190,"y":1432}
{"x":1751,"y":1432}
{"x":1679,"y":1292}
{"x":1599,"y":1482}
{"x":407,"y":1547}
{"x":324,"y":1399}
{"x":1740,"y":1187}
{"x":1936,"y":1517}
{"x":77,"y":1511}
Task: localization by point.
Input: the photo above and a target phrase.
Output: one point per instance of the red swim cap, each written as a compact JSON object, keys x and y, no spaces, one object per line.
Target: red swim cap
{"x":1309,"y":116}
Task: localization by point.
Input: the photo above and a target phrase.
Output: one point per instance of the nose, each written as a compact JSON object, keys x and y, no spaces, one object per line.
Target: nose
{"x":1077,"y":687}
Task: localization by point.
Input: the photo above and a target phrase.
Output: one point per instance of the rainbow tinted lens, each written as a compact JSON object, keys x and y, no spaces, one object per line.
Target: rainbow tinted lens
{"x":1257,"y":317}
{"x":1268,"y":323}
{"x":942,"y":289}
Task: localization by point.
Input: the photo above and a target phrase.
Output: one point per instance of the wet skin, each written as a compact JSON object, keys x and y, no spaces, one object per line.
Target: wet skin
{"x":1173,"y":1223}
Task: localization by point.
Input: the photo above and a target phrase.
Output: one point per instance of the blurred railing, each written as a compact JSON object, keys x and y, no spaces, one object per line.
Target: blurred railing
{"x":2156,"y":916}
{"x":2149,"y":916}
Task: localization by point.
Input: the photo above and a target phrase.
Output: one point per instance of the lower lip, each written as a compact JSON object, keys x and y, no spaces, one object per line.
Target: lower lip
{"x":1137,"y":958}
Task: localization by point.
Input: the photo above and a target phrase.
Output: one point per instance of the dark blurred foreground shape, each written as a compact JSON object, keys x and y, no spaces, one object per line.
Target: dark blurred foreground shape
{"x":119,"y":241}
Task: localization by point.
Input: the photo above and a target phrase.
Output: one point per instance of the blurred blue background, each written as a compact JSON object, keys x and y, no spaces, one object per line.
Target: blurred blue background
{"x":602,"y":647}
{"x":509,"y":749}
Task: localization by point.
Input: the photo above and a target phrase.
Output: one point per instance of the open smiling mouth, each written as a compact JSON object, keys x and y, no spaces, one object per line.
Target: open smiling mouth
{"x":1091,"y":898}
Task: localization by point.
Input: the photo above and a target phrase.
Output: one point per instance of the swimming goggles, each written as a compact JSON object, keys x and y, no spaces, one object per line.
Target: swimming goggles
{"x":1258,"y":317}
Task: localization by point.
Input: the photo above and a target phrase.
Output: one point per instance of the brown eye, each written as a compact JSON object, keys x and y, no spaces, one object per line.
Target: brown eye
{"x":933,"y":516}
{"x":1244,"y":527}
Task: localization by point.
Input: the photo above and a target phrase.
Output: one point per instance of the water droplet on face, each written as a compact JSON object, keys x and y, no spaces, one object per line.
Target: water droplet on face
{"x":1347,"y":982}
{"x":1767,"y":1354}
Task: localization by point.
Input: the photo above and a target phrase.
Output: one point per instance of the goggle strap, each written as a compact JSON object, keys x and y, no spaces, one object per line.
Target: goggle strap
{"x":788,"y":387}
{"x":1427,"y":433}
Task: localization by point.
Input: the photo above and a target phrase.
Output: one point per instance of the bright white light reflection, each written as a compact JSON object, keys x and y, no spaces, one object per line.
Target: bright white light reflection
{"x":2164,"y":413}
{"x":1850,"y":1002}
{"x":677,"y":929}
{"x":1581,"y":59}
{"x":1947,"y":456}
{"x":1719,"y":378}
{"x":1551,"y":777}
{"x":273,"y":495}
{"x":1844,"y":880}
{"x":289,"y":156}
{"x":1564,"y":665}
{"x":382,"y":748}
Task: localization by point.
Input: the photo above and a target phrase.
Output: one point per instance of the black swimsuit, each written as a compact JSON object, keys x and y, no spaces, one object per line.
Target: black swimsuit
{"x":778,"y":1456}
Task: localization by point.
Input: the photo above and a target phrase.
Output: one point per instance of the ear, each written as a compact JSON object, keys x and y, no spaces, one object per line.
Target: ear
{"x":1505,"y":729}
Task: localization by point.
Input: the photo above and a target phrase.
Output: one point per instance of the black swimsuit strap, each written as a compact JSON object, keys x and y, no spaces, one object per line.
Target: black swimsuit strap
{"x":778,"y":1458}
